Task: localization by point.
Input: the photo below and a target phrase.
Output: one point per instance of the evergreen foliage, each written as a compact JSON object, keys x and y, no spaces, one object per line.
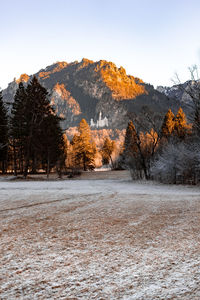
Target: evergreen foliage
{"x":3,"y":136}
{"x":107,"y":150}
{"x":84,"y":148}
{"x":168,"y":124}
{"x":181,"y":126}
{"x":18,"y":128}
{"x":165,"y":150}
{"x":132,"y":156}
{"x":130,"y":142}
{"x":35,"y":130}
{"x":51,"y":143}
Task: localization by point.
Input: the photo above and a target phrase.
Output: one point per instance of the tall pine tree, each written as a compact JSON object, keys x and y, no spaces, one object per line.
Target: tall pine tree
{"x":131,"y":141}
{"x":35,"y":128}
{"x":84,"y":147}
{"x":18,"y":128}
{"x":50,"y":143}
{"x":134,"y":154}
{"x":168,"y":124}
{"x":3,"y":136}
{"x":107,"y":150}
{"x":181,"y":126}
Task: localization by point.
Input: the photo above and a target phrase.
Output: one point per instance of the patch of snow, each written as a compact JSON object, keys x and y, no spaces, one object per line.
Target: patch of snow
{"x":103,"y":169}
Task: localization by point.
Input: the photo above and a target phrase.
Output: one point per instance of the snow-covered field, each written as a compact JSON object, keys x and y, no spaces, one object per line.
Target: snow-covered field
{"x":99,"y":239}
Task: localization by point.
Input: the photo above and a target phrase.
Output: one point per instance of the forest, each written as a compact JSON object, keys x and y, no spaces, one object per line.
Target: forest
{"x":155,"y":147}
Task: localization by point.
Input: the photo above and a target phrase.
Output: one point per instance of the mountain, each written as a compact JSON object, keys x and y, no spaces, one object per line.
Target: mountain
{"x":98,"y":91}
{"x":181,"y":93}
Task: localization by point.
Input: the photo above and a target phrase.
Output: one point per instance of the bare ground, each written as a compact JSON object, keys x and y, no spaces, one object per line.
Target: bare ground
{"x":99,"y":239}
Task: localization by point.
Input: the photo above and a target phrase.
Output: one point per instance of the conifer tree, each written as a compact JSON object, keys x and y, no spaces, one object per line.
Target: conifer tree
{"x":3,"y":135}
{"x":131,"y":140}
{"x":181,"y":126}
{"x":35,"y":127}
{"x":51,"y":143}
{"x":134,"y":156}
{"x":36,"y":110}
{"x":130,"y":152}
{"x":18,"y":127}
{"x":84,"y":148}
{"x":107,"y":150}
{"x":168,"y":124}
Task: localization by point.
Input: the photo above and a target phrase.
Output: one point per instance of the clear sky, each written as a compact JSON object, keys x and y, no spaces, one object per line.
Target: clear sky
{"x":151,"y":39}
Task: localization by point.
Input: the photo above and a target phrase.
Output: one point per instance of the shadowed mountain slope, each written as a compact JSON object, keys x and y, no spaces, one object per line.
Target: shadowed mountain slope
{"x":98,"y":91}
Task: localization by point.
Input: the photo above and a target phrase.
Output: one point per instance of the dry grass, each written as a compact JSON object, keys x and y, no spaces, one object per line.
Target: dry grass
{"x":106,"y":245}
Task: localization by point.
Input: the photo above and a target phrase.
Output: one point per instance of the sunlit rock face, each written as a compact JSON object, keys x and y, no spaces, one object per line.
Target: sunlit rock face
{"x":102,"y":77}
{"x":65,"y":105}
{"x":23,"y":78}
{"x":100,"y":92}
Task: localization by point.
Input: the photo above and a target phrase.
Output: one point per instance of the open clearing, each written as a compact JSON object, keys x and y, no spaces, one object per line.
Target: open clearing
{"x":106,"y":238}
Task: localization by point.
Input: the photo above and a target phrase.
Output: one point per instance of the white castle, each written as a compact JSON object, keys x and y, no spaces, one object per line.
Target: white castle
{"x":100,"y":122}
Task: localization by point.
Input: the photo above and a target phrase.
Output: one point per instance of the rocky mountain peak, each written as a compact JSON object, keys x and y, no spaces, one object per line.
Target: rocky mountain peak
{"x":57,"y":67}
{"x":23,"y":78}
{"x":99,"y":91}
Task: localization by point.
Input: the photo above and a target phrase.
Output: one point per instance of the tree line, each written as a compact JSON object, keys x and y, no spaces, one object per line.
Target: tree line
{"x":163,"y":149}
{"x":155,"y":147}
{"x":31,"y":138}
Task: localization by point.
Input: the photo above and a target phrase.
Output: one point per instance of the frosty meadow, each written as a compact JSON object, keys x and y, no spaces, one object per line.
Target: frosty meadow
{"x":100,"y":150}
{"x":101,"y":238}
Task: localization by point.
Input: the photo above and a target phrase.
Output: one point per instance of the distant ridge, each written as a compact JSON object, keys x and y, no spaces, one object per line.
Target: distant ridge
{"x":87,"y":89}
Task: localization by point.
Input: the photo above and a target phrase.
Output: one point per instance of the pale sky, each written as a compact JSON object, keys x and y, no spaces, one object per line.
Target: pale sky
{"x":151,"y":39}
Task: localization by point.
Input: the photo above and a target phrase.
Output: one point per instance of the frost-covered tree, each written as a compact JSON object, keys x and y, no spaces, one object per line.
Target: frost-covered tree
{"x":164,"y":167}
{"x":178,"y":163}
{"x":179,"y":159}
